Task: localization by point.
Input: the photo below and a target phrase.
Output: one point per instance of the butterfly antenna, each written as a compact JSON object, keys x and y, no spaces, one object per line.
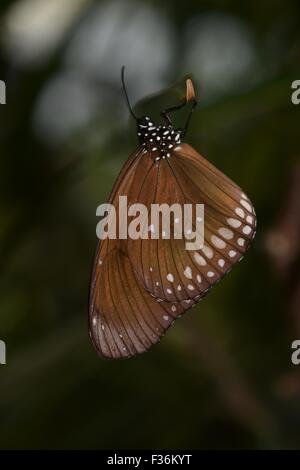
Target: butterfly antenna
{"x":125,"y":93}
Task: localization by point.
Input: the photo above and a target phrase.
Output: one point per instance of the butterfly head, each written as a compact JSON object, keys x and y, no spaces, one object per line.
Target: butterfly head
{"x":159,"y":139}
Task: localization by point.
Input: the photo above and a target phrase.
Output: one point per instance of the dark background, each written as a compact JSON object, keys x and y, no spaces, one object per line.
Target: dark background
{"x":222,"y":377}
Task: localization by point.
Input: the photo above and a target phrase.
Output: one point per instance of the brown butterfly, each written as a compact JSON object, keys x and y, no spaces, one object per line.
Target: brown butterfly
{"x":140,"y":286}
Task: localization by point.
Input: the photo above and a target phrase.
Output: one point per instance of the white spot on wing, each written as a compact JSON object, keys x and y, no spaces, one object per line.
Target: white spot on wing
{"x":218,"y":242}
{"x":247,"y":230}
{"x":199,"y":259}
{"x":226,"y":233}
{"x":188,"y":272}
{"x":234,"y":222}
{"x":246,"y":205}
{"x":208,"y":251}
{"x":239,"y":211}
{"x":241,"y":241}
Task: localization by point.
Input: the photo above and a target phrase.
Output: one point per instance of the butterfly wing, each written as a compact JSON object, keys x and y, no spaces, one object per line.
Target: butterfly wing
{"x":230,"y":214}
{"x":164,"y":266}
{"x":99,"y":283}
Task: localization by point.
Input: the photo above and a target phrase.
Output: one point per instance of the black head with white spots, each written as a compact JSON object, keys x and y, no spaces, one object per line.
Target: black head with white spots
{"x":161,"y":140}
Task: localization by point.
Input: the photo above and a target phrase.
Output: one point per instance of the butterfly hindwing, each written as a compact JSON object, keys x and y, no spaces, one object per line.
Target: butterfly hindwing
{"x":164,"y":266}
{"x":125,"y":319}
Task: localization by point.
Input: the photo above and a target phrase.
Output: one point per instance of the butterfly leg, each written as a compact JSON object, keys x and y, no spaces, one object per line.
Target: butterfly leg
{"x":166,"y":112}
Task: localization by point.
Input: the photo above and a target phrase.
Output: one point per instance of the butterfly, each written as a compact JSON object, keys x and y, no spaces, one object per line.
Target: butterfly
{"x":140,"y":286}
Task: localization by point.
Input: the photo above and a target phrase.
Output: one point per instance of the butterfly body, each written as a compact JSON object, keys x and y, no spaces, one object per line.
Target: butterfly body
{"x":140,"y":286}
